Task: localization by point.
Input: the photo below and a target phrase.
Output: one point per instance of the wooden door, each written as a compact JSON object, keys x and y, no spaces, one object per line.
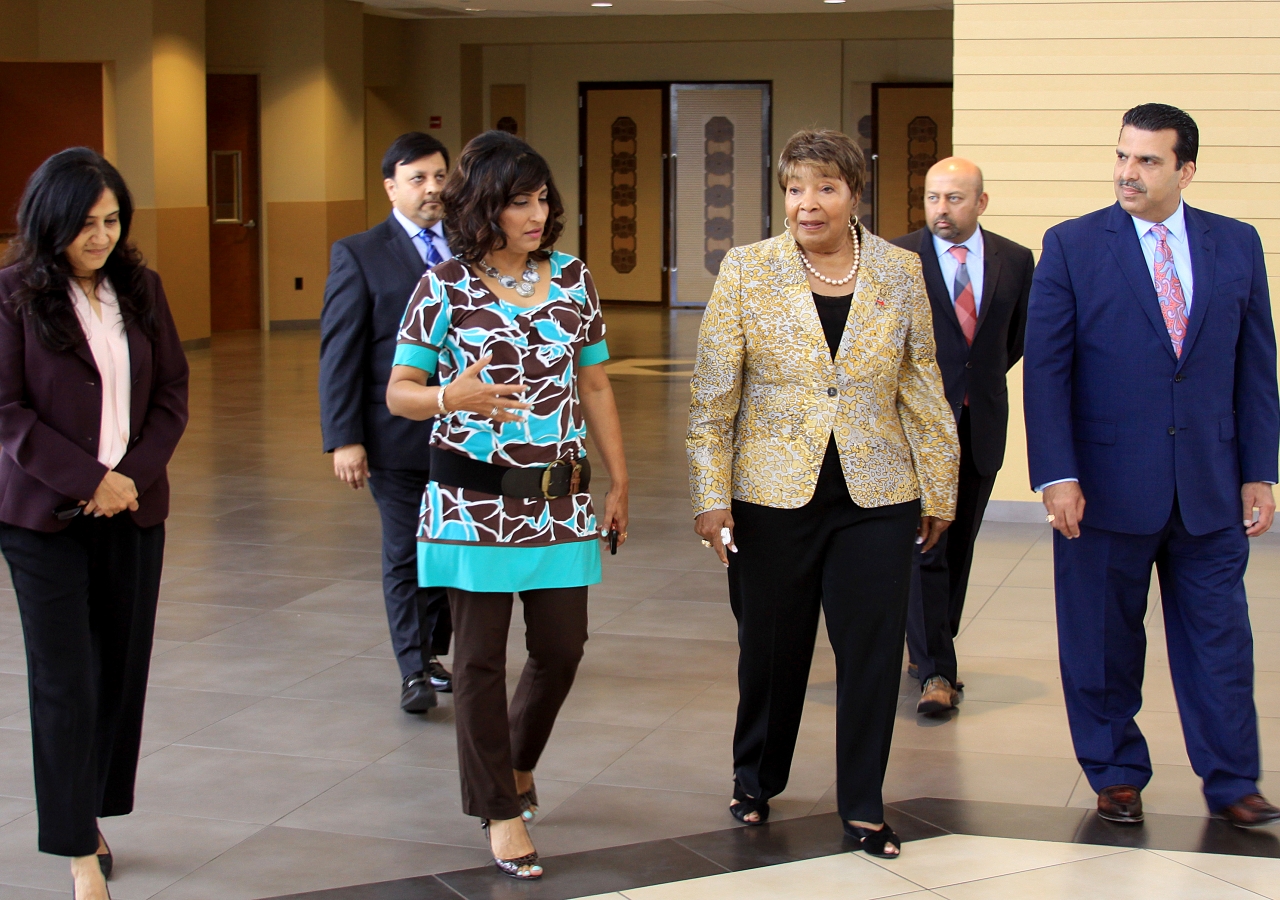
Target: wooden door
{"x":45,"y":107}
{"x":622,"y":234}
{"x":912,"y":131}
{"x":234,"y":248}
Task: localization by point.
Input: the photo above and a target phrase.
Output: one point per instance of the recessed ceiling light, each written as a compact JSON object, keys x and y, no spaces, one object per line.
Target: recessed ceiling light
{"x":832,"y":1}
{"x":602,"y":4}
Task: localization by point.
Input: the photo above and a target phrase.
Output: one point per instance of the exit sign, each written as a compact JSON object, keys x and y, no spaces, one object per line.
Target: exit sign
{"x":436,"y":122}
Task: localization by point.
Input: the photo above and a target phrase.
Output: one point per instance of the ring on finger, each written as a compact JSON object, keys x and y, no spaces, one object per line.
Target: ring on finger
{"x":1050,"y":517}
{"x":707,"y":544}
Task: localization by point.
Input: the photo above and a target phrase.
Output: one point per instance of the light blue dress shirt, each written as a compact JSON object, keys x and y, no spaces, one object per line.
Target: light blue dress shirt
{"x":1179,"y":246}
{"x":435,"y":234}
{"x":974,"y":262}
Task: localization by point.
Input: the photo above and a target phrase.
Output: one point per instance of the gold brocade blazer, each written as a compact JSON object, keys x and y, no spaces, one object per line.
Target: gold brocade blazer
{"x":767,"y":394}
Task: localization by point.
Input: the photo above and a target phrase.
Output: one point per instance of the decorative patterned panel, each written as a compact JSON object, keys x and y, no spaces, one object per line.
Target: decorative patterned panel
{"x":623,"y":197}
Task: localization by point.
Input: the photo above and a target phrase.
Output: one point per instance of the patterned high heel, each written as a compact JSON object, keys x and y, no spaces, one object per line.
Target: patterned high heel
{"x":529,"y":804}
{"x":524,"y":868}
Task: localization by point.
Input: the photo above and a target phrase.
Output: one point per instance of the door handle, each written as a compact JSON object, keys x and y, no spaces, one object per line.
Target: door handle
{"x":251,"y":224}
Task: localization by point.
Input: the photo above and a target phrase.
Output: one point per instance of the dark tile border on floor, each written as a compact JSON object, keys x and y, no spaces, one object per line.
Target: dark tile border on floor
{"x":789,"y":840}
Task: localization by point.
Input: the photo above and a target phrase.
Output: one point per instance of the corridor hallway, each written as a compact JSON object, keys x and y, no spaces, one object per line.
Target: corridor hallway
{"x":277,"y":760}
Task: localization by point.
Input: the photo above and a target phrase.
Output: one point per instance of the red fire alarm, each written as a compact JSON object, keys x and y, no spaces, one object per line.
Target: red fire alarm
{"x":436,"y":122}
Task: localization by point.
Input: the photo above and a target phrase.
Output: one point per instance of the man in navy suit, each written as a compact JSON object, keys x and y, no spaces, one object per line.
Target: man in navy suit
{"x":1153,"y":428}
{"x":371,"y":277}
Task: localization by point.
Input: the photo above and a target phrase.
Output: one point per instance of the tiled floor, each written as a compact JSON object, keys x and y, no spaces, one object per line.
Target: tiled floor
{"x":278,"y":761}
{"x":966,"y":867}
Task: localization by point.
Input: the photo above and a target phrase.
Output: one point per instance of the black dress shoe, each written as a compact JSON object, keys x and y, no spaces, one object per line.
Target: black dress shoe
{"x":1120,"y":803}
{"x":417,"y":695}
{"x":1252,"y":811}
{"x":106,"y":862}
{"x":441,"y":680}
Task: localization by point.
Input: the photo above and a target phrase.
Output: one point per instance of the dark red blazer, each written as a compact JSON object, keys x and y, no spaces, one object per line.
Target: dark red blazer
{"x":51,"y":413}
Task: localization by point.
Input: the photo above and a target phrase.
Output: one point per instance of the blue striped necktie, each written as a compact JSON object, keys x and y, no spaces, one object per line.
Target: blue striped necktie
{"x":433,"y":257}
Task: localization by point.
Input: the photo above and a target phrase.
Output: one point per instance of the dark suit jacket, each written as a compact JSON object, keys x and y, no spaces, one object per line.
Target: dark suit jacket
{"x":1109,"y":403}
{"x":979,"y":371}
{"x":51,"y":414}
{"x":372,"y":275}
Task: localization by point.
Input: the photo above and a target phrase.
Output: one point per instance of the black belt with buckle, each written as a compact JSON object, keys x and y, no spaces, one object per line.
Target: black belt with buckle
{"x":560,"y":479}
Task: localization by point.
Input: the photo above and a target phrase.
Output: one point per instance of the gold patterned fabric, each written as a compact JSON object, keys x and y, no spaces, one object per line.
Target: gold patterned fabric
{"x":767,"y":394}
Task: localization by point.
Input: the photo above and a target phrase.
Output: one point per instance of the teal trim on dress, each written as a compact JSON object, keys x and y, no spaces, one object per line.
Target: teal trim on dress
{"x":508,"y":567}
{"x":595,"y":353}
{"x":419,"y":357}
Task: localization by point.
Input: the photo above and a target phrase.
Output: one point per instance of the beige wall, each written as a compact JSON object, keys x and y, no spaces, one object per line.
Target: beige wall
{"x":153,"y":120}
{"x":811,"y":60}
{"x":309,"y":57}
{"x":1039,"y":91}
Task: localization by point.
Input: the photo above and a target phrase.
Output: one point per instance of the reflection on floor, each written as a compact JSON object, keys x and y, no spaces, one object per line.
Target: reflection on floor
{"x":278,"y":761}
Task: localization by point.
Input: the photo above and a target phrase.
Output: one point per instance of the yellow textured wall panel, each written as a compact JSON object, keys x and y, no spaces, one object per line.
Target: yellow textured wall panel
{"x":1040,"y":89}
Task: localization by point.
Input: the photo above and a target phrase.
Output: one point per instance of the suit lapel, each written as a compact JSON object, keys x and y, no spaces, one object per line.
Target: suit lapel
{"x":401,"y":246}
{"x":1123,"y":239}
{"x":934,"y":282}
{"x":800,"y":298}
{"x":990,"y":275}
{"x":866,"y":297}
{"x":1203,"y":264}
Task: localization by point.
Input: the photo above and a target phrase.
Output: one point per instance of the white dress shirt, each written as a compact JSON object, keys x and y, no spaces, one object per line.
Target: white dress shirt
{"x":974,"y":262}
{"x":1179,"y":246}
{"x":110,"y":348}
{"x":435,"y":234}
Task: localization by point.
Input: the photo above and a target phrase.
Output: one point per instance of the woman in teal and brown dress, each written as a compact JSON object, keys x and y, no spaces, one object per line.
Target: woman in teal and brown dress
{"x":514,"y":330}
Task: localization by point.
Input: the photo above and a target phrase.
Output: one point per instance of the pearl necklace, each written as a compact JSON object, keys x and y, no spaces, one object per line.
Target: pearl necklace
{"x":857,"y":258}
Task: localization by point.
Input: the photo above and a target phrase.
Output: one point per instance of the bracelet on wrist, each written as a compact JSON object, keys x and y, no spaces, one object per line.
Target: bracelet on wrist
{"x":444,"y":410}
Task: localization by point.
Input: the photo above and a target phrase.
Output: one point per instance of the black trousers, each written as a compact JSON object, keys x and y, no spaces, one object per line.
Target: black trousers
{"x":855,"y":565}
{"x":418,"y":617}
{"x":941,"y":578}
{"x":87,"y":596}
{"x":493,"y":740}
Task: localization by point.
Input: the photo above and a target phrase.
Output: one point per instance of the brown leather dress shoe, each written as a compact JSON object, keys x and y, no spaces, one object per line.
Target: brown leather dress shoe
{"x":1120,"y":803}
{"x":1252,"y":811}
{"x":937,"y":697}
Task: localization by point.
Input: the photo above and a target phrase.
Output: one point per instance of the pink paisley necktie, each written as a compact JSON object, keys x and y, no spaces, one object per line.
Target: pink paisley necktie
{"x":1169,"y":290}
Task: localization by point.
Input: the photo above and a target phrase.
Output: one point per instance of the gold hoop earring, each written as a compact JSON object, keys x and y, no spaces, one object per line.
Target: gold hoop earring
{"x":786,"y":223}
{"x":853,"y":222}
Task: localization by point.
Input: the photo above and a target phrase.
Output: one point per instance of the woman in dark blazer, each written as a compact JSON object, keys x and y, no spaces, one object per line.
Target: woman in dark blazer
{"x":93,"y":400}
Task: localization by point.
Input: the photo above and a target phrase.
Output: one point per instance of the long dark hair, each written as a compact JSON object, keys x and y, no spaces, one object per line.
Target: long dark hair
{"x":494,"y":168}
{"x":51,"y":216}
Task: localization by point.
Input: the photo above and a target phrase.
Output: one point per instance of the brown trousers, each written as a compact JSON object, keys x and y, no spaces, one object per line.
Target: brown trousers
{"x":493,"y":741}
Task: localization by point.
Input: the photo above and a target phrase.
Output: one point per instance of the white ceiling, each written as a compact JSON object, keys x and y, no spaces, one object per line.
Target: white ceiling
{"x":455,"y":9}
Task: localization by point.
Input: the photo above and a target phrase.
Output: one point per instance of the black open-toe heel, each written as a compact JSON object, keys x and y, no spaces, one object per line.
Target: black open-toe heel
{"x":106,"y":862}
{"x":529,"y":803}
{"x":744,"y":806}
{"x":873,"y":842}
{"x":523,"y":868}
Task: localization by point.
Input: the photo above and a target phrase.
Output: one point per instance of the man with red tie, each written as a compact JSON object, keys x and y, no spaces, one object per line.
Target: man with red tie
{"x":978,"y":284}
{"x":1153,"y":426}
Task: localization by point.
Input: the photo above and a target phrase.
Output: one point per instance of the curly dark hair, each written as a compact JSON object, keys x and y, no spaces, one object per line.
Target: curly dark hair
{"x":55,"y":204}
{"x":495,"y":168}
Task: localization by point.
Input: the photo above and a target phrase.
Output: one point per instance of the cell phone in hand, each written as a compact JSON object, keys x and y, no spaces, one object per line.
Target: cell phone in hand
{"x":613,"y":542}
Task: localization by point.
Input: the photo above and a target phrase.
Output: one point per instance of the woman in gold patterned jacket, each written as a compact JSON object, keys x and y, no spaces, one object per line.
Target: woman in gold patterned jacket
{"x":821,"y":449}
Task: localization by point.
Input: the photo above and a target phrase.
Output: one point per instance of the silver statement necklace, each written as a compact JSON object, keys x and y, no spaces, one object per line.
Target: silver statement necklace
{"x":857,"y":257}
{"x":525,"y":287}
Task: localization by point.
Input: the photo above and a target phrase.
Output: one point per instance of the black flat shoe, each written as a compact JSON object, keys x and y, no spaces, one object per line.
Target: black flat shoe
{"x":744,"y":806}
{"x":873,"y":842}
{"x":416,"y":694}
{"x":441,"y":680}
{"x":529,"y":803}
{"x":106,"y":861}
{"x":523,"y":868}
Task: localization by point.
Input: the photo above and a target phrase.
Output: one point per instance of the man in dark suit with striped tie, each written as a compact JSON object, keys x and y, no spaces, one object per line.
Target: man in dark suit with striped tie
{"x":978,"y":283}
{"x":371,"y":277}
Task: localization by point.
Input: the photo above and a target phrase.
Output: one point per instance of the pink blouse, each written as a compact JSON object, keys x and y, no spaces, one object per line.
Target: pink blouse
{"x":110,"y":348}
